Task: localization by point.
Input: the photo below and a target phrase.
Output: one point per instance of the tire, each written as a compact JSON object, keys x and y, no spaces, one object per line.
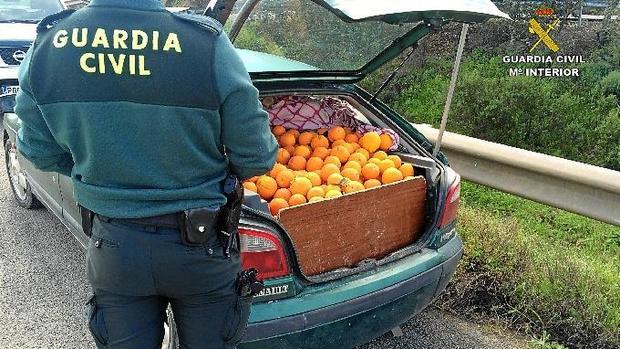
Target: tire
{"x":171,"y":340}
{"x":23,"y":194}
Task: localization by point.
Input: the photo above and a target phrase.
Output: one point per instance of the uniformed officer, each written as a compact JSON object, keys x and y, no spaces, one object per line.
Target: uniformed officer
{"x":148,"y":112}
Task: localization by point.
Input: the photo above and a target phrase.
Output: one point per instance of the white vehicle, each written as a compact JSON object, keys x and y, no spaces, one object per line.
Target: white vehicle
{"x":18,"y":29}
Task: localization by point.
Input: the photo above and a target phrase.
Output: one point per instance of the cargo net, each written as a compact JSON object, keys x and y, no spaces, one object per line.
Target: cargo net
{"x":309,"y":113}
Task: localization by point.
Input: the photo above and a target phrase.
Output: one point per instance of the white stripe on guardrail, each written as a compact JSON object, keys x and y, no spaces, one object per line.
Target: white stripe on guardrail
{"x":573,"y":186}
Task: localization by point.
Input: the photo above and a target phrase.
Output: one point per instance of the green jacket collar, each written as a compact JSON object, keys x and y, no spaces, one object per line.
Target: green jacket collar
{"x":134,"y":4}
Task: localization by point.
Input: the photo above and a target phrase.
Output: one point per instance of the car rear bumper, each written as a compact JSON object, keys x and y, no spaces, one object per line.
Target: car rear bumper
{"x":360,"y":319}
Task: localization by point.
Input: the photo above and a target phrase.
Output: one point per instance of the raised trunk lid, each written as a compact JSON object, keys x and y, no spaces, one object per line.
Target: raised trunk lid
{"x":374,"y":33}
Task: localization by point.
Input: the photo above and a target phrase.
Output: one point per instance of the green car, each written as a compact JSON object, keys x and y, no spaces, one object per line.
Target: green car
{"x":314,"y":49}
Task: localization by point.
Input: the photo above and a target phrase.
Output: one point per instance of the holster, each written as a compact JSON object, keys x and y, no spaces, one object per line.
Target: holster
{"x":230,"y":215}
{"x":198,"y":225}
{"x":87,"y":220}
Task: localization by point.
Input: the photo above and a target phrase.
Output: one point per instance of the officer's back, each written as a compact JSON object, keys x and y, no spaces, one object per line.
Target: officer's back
{"x":145,"y":103}
{"x":149,"y":113}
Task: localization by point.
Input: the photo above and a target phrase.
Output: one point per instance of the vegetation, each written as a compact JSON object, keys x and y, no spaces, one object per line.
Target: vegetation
{"x":575,"y":118}
{"x":552,"y":274}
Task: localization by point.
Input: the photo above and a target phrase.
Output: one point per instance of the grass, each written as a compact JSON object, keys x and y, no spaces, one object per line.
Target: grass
{"x":549,"y":273}
{"x":543,"y":342}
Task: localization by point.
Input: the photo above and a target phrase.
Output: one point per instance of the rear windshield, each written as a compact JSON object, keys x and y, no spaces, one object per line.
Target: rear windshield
{"x":27,"y":10}
{"x":304,"y":31}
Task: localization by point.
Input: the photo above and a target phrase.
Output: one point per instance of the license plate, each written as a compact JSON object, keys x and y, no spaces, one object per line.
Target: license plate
{"x":8,"y":90}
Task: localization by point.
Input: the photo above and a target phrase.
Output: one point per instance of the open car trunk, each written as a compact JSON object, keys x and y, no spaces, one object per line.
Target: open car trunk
{"x":337,"y":236}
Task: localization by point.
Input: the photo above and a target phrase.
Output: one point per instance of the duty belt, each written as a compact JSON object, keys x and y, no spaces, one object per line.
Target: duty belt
{"x":163,"y":221}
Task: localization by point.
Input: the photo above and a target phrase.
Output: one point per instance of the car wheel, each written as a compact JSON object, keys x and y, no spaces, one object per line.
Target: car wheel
{"x":171,"y":337}
{"x":22,"y":192}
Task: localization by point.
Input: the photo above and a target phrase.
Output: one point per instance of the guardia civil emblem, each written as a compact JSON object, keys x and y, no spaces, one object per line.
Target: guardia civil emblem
{"x":542,"y":28}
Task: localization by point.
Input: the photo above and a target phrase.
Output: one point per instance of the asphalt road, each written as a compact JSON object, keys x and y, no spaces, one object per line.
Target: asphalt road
{"x":43,"y":289}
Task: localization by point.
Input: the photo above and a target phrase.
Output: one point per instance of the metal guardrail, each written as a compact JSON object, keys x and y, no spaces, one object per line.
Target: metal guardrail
{"x":573,"y":186}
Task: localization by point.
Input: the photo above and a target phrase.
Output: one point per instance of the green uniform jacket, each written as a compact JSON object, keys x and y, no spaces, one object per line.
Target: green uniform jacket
{"x":147,"y":111}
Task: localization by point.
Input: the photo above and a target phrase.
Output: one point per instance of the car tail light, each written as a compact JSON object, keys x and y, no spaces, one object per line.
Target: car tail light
{"x":451,"y":205}
{"x":263,"y":251}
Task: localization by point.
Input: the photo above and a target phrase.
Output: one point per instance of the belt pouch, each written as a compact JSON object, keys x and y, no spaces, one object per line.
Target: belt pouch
{"x":197,"y":225}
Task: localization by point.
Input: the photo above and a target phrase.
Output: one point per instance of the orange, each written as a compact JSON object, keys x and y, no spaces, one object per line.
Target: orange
{"x":332,"y":160}
{"x":318,"y":172}
{"x":370,"y":141}
{"x":374,"y":161}
{"x":371,"y":171}
{"x":331,"y":187}
{"x":328,"y":170}
{"x":385,"y":164}
{"x":349,"y":148}
{"x":301,"y":173}
{"x":355,"y":146}
{"x":287,"y":139}
{"x":250,"y":186}
{"x":316,"y":198}
{"x":314,"y":178}
{"x":314,"y":164}
{"x":336,"y":133}
{"x":284,"y":178}
{"x":351,"y":138}
{"x":320,"y":152}
{"x":253,"y":179}
{"x":333,"y":194}
{"x":305,"y":138}
{"x":283,"y":156}
{"x":266,"y":186}
{"x":396,"y":160}
{"x":351,"y":174}
{"x":303,"y":151}
{"x":391,"y":175}
{"x":282,"y":193}
{"x":353,"y":186}
{"x":319,"y":141}
{"x":407,"y":170}
{"x":386,"y":141}
{"x":293,"y":132}
{"x":341,"y":153}
{"x":348,"y":130}
{"x":338,"y":142}
{"x":297,"y":199}
{"x":322,"y":131}
{"x":297,"y":163}
{"x":290,"y":149}
{"x":372,"y":183}
{"x":315,"y":191}
{"x":335,"y":179}
{"x":276,"y":169}
{"x":278,"y":130}
{"x":353,"y":164}
{"x":301,"y":185}
{"x":381,"y":155}
{"x":276,"y":205}
{"x":363,"y":152}
{"x":359,"y":158}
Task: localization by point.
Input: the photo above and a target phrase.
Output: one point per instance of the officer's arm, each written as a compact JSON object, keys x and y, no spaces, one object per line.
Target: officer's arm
{"x":34,"y":139}
{"x":250,"y":146}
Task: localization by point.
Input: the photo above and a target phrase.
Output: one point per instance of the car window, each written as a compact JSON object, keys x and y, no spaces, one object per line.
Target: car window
{"x":304,"y":31}
{"x":27,"y":10}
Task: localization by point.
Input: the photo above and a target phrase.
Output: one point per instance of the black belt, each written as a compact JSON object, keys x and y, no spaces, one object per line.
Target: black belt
{"x":164,"y":221}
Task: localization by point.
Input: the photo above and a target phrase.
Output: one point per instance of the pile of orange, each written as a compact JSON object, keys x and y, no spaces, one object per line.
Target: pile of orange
{"x":327,"y":163}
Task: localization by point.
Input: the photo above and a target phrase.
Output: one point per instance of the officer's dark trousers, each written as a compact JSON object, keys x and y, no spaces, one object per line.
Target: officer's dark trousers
{"x":136,"y":271}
